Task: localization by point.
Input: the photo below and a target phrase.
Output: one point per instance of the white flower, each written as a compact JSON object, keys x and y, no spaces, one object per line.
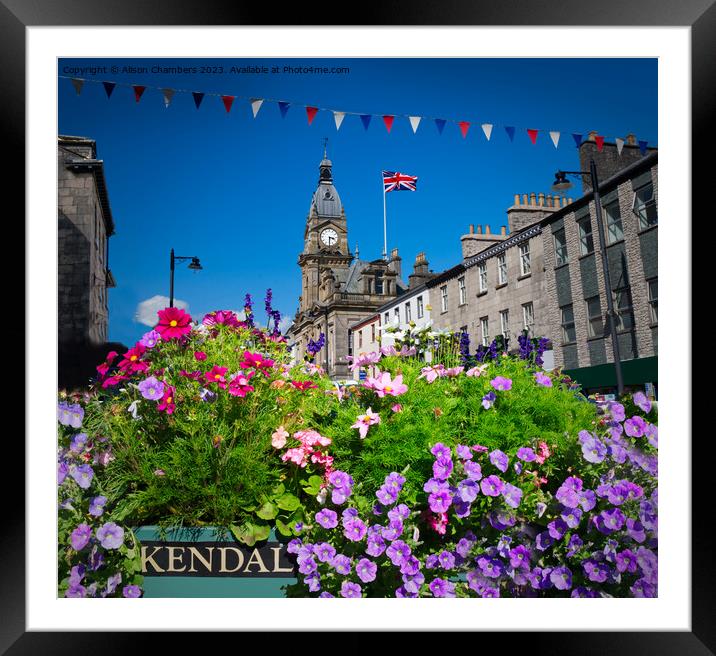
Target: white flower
{"x":133,"y":409}
{"x":321,"y":496}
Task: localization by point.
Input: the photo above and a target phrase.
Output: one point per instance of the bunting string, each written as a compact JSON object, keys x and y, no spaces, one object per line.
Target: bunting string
{"x":339,"y":115}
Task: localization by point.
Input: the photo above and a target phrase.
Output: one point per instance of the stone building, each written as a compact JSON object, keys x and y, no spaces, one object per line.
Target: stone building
{"x":338,"y":289}
{"x":85,"y":224}
{"x":574,"y":275}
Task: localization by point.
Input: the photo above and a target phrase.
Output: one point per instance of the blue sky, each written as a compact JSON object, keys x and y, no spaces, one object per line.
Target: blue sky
{"x":235,"y":191}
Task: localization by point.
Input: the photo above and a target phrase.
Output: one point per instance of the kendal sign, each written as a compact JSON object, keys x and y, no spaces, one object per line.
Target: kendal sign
{"x":222,"y":559}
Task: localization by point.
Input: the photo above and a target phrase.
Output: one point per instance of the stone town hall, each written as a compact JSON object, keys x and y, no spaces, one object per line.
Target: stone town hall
{"x":337,"y":288}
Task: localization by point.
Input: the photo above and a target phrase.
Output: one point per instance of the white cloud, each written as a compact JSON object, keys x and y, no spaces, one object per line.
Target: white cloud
{"x":285,"y":323}
{"x":146,"y":312}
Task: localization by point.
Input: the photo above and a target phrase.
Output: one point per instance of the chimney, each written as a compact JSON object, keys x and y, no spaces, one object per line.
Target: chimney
{"x":479,"y":229}
{"x":421,"y":272}
{"x":487,"y":229}
{"x":472,"y":229}
{"x":631,"y":139}
{"x":532,"y":199}
{"x":503,"y":231}
{"x":540,"y":199}
{"x":394,"y":264}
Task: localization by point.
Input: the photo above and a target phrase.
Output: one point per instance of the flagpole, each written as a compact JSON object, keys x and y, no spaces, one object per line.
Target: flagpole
{"x":385,"y":229}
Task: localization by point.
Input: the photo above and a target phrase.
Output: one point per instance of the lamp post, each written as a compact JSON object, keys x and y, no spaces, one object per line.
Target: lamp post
{"x":195,"y":265}
{"x":561,"y":184}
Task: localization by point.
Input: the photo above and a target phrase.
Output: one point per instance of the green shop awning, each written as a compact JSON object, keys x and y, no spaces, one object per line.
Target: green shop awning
{"x":634,"y":372}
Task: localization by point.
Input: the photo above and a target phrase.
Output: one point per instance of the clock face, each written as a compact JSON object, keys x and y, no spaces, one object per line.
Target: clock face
{"x":329,"y":237}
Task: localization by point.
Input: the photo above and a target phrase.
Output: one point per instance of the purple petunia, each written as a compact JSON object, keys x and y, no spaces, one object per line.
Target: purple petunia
{"x":492,"y":486}
{"x":96,"y":506}
{"x":440,"y":501}
{"x":561,"y":578}
{"x":543,"y":379}
{"x":442,"y":588}
{"x":350,"y":590}
{"x":467,"y":490}
{"x":635,"y":426}
{"x":441,"y":451}
{"x":342,"y":564}
{"x":82,"y":475}
{"x":526,"y":454}
{"x":366,"y":570}
{"x":327,"y":518}
{"x":110,"y":535}
{"x":500,"y":460}
{"x":80,"y":537}
{"x":78,"y":443}
{"x":324,"y":552}
{"x":355,"y":530}
{"x":473,"y":470}
{"x":152,"y":389}
{"x":593,"y":450}
{"x":463,"y":452}
{"x":512,"y":495}
{"x":488,"y":400}
{"x":150,"y":339}
{"x":442,"y":468}
{"x":642,"y":401}
{"x":501,"y":384}
{"x":398,"y":552}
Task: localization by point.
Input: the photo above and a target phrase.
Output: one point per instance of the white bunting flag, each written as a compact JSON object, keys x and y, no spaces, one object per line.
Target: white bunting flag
{"x":487,"y":129}
{"x":620,"y":145}
{"x":338,"y":118}
{"x":168,"y":95}
{"x":256,"y":105}
{"x":414,"y":122}
{"x":555,"y":138}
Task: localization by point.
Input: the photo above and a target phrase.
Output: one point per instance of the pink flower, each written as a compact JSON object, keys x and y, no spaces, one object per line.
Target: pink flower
{"x":364,"y":359}
{"x":131,"y":362}
{"x":239,"y":384}
{"x":200,"y":355}
{"x":388,"y":350}
{"x":438,"y":523}
{"x":407,"y":352}
{"x":225,"y":317}
{"x":476,"y":371}
{"x":383,"y":385}
{"x":397,"y":407}
{"x":256,"y":361}
{"x":216,"y":375}
{"x":431,"y":373}
{"x":297,"y":456}
{"x":453,"y":371}
{"x":167,"y":403}
{"x":364,"y":422}
{"x":303,"y":385}
{"x":173,"y":323}
{"x":500,"y":383}
{"x":278,"y":438}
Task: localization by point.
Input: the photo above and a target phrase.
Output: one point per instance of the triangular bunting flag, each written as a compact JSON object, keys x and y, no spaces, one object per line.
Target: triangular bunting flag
{"x":620,"y":145}
{"x":555,"y":138}
{"x":77,"y":83}
{"x":198,"y":97}
{"x":533,"y":135}
{"x":440,"y":124}
{"x":109,"y":87}
{"x":311,"y":113}
{"x":642,"y":146}
{"x":388,"y":120}
{"x":464,"y":127}
{"x":365,"y":118}
{"x":577,"y":139}
{"x":487,"y":129}
{"x":600,"y":142}
{"x":338,"y":118}
{"x":228,"y":101}
{"x":256,"y":105}
{"x":510,"y":132}
{"x":414,"y":122}
{"x":283,"y":107}
{"x":168,"y":95}
{"x":138,"y":91}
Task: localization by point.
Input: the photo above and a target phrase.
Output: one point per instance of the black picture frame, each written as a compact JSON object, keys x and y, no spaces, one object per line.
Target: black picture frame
{"x":700,"y":15}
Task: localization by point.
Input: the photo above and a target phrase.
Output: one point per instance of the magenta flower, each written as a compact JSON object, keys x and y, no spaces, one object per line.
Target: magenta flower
{"x":501,"y":384}
{"x":173,"y":323}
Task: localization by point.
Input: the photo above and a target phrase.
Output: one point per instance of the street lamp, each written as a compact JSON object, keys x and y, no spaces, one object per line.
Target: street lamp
{"x":562,"y":184}
{"x":194,"y":265}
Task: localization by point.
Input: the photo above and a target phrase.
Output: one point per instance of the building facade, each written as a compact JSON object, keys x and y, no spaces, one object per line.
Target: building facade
{"x":85,"y":224}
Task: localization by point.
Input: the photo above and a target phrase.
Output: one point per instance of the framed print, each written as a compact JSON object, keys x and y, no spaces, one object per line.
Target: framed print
{"x":269,"y":337}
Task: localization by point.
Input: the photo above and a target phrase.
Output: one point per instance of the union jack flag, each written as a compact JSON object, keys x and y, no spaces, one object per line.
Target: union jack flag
{"x":393,"y":181}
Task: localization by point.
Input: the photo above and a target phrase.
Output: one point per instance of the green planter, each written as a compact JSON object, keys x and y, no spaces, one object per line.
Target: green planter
{"x":207,"y":562}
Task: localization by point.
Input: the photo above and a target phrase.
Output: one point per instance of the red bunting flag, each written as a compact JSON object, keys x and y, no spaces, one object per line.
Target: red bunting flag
{"x":138,"y":91}
{"x":464,"y":127}
{"x":388,"y":120}
{"x":228,"y":101}
{"x":533,"y":135}
{"x":600,"y":142}
{"x":311,"y":111}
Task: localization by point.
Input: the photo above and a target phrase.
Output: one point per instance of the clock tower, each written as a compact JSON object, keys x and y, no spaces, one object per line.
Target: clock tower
{"x":325,"y":239}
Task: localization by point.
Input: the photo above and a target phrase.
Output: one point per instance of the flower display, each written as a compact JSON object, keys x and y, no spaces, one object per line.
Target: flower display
{"x":173,"y":323}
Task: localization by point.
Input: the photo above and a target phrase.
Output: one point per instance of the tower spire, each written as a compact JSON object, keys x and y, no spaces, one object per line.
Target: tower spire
{"x":325,"y":147}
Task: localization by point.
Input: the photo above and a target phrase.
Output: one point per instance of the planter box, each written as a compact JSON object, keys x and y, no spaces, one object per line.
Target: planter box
{"x":209,"y":563}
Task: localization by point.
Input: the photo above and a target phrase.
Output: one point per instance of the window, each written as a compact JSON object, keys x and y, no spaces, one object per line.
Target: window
{"x":387,"y":318}
{"x":653,"y":300}
{"x":378,"y":284}
{"x":644,"y":206}
{"x":586,"y":240}
{"x":372,"y":332}
{"x":420,"y":307}
{"x":443,"y":298}
{"x":461,"y":287}
{"x":408,"y":313}
{"x":482,"y":271}
{"x":525,"y":265}
{"x":569,"y":333}
{"x":350,"y":342}
{"x":623,"y":308}
{"x":396,"y":314}
{"x":528,"y":317}
{"x":505,"y":323}
{"x":614,"y":222}
{"x":501,"y":269}
{"x":485,"y":331}
{"x":595,"y":325}
{"x":560,"y":247}
{"x":360,"y":339}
